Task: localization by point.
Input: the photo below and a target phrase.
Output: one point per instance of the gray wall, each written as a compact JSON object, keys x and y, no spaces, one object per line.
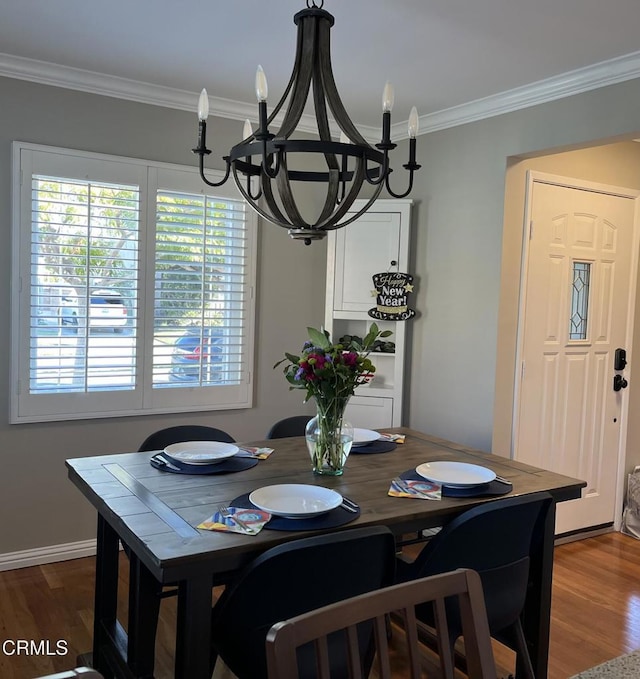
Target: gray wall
{"x":456,"y":256}
{"x":38,"y":505}
{"x":458,"y":251}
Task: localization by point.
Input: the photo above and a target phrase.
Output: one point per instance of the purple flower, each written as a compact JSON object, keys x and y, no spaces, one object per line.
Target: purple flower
{"x":350,"y":358}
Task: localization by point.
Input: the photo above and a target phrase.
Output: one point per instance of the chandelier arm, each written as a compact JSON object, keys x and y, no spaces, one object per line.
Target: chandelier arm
{"x":303,"y":67}
{"x":202,"y":175}
{"x":286,"y":196}
{"x":253,"y":197}
{"x":331,"y":91}
{"x":249,"y":175}
{"x":400,"y":195}
{"x":382,"y":174}
{"x":271,"y":172}
{"x":411,"y":167}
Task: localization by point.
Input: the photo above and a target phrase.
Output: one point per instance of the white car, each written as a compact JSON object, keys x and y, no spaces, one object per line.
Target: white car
{"x":107,"y":310}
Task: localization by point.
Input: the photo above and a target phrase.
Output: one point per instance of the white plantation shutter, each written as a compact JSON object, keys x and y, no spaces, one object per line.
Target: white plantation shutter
{"x":83,"y":237}
{"x":201,"y":285}
{"x":135,"y":289}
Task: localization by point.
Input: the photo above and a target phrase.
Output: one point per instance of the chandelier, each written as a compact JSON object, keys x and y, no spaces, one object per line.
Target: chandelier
{"x":267,"y":165}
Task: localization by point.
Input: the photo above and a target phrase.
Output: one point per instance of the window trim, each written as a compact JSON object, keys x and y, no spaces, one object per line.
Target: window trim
{"x":143,"y":399}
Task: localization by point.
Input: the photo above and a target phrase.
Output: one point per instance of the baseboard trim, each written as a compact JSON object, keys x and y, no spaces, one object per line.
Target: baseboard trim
{"x":42,"y":555}
{"x":584,"y":533}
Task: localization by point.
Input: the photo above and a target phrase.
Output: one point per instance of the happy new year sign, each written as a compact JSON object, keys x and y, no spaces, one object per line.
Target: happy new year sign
{"x":392,"y":291}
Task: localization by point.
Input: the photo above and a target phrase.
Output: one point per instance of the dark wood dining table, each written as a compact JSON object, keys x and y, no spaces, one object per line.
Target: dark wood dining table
{"x":156,"y":513}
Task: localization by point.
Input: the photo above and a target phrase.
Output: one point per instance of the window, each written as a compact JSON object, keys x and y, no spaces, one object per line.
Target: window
{"x":135,"y":289}
{"x":579,"y":300}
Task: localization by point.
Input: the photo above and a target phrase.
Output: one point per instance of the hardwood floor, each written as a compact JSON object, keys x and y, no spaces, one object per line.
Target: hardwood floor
{"x":595,"y":611}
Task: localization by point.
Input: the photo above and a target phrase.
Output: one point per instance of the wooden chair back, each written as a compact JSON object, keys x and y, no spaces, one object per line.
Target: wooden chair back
{"x":313,"y":628}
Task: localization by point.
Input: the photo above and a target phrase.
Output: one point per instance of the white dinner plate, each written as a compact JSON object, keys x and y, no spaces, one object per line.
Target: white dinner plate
{"x":200,"y":452}
{"x":295,"y":500}
{"x":455,"y":474}
{"x":362,"y":437}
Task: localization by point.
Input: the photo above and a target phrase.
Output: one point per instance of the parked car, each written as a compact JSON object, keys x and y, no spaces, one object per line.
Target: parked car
{"x":197,"y":351}
{"x":107,"y":310}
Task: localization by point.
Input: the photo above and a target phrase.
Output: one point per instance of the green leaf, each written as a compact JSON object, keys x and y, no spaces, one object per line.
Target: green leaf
{"x":319,"y":339}
{"x":386,"y":333}
{"x":371,"y":336}
{"x":356,"y":346}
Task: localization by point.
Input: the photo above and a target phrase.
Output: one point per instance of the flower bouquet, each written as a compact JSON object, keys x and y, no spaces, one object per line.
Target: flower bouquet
{"x":330,"y":373}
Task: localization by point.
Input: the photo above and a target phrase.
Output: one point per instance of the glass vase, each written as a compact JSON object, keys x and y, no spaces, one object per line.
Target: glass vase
{"x":329,"y":437}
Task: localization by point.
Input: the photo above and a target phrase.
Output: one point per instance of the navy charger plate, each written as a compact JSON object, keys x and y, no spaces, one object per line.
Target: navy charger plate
{"x":333,"y":518}
{"x":373,"y":448}
{"x":228,"y":466}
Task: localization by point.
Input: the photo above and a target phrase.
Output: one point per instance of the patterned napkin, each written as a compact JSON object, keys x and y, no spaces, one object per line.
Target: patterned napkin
{"x":245,"y":521}
{"x":258,"y":453}
{"x":421,"y":490}
{"x":395,"y":438}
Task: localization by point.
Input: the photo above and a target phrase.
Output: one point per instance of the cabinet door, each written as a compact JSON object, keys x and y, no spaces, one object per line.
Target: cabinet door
{"x":370,"y":413}
{"x":363,"y":248}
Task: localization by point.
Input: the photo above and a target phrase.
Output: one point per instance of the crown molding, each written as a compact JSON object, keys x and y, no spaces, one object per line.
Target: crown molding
{"x":605,"y":73}
{"x":564,"y":85}
{"x":46,"y":73}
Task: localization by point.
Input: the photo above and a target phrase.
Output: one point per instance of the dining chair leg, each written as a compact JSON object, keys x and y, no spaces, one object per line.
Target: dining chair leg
{"x":524,"y":660}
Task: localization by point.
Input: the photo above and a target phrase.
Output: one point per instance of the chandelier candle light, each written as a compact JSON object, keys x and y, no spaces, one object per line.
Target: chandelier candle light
{"x":269,"y":158}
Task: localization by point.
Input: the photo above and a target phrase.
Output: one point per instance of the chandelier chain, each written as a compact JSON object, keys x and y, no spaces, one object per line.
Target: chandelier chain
{"x":314,"y":6}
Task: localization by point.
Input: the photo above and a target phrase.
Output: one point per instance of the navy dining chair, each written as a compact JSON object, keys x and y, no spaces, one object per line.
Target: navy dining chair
{"x":294,"y":578}
{"x":183,"y":432}
{"x":496,"y":539}
{"x":405,"y":658}
{"x":289,"y":426}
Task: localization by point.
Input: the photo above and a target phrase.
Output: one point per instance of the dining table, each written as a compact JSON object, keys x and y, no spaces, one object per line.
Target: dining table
{"x":156,"y":514}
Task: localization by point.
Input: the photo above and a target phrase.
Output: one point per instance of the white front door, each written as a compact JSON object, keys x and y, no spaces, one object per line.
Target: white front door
{"x":579,"y":281}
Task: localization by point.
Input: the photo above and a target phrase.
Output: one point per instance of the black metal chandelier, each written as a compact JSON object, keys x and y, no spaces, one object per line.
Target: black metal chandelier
{"x":263,"y":163}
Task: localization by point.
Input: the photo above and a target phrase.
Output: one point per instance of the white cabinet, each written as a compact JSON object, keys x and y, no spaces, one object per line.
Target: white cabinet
{"x":376,"y":242}
{"x":363,"y":248}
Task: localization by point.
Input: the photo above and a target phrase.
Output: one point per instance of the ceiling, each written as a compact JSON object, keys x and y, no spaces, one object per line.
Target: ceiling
{"x":439,"y":54}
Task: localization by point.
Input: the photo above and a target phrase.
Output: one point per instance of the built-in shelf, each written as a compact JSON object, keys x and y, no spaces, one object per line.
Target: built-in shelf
{"x":355,"y":253}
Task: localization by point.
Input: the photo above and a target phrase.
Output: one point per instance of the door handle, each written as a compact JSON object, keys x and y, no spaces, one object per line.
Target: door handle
{"x":619,"y":383}
{"x":620,"y":359}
